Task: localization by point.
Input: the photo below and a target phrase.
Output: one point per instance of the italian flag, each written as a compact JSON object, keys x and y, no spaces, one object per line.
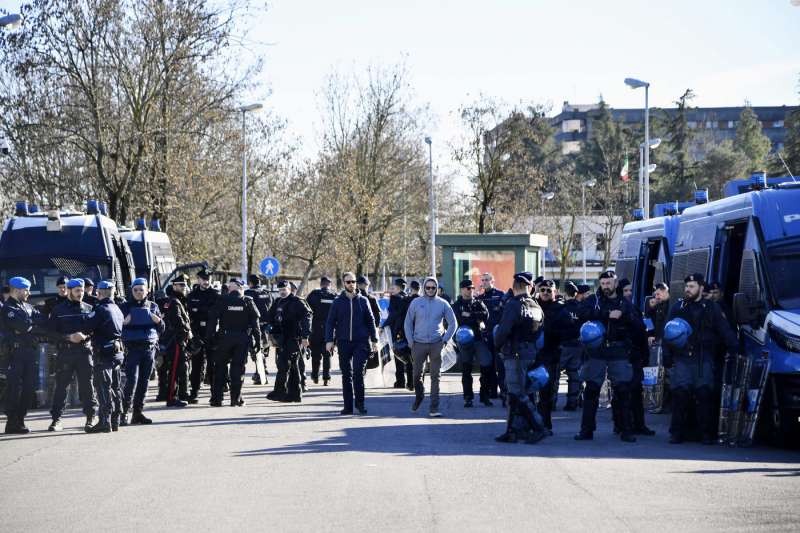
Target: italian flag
{"x":624,"y":172}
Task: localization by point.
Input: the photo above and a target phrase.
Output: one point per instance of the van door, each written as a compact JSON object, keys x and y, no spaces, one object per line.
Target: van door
{"x":728,"y":252}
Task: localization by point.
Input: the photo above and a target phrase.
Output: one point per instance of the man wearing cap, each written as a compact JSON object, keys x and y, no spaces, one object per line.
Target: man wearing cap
{"x":473,"y":314}
{"x":88,"y":294}
{"x":237,"y":317}
{"x":624,"y":332}
{"x":493,"y":299}
{"x":351,"y":326}
{"x":104,"y":325}
{"x":398,"y":304}
{"x":583,"y":292}
{"x":50,"y":303}
{"x":320,"y":301}
{"x":424,"y":328}
{"x":301,"y":360}
{"x":515,"y":339}
{"x":571,"y":349}
{"x":290,"y":327}
{"x":693,"y":372}
{"x":17,"y":320}
{"x":199,"y":302}
{"x":177,"y":334}
{"x":74,"y":354}
{"x":557,"y":328}
{"x":142,"y":327}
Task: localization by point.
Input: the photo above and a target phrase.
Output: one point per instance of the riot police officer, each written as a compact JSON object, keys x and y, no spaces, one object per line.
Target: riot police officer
{"x":237,"y":317}
{"x":493,"y":299}
{"x":398,"y":305}
{"x":515,"y":339}
{"x":104,"y":324}
{"x":473,"y":314}
{"x":623,"y":331}
{"x":141,"y":329}
{"x":693,"y":372}
{"x":290,"y":327}
{"x":199,"y":302}
{"x":88,"y":295}
{"x":263,"y":300}
{"x":74,"y":355}
{"x":571,"y":349}
{"x":17,"y":319}
{"x":174,"y":368}
{"x":557,"y":327}
{"x":50,"y":303}
{"x":320,"y":301}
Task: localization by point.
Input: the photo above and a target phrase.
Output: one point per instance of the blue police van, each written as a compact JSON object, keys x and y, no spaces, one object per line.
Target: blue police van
{"x":152,"y":252}
{"x":750,"y":244}
{"x":42,"y":246}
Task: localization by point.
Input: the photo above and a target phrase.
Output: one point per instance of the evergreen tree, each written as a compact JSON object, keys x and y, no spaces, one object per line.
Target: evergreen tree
{"x":751,"y":141}
{"x":674,"y":179}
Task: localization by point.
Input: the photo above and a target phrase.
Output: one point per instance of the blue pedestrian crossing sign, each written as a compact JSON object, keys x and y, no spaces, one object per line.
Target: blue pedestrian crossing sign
{"x":269,"y":267}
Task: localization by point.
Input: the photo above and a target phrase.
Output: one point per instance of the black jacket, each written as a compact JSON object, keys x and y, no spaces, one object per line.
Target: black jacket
{"x":709,"y":328}
{"x":234,"y":313}
{"x":373,"y":305}
{"x":521,"y":323}
{"x":472,"y":313}
{"x":320,"y":301}
{"x":290,"y":318}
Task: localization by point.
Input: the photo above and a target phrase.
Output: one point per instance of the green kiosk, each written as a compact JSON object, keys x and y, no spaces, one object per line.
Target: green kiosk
{"x":468,"y":255}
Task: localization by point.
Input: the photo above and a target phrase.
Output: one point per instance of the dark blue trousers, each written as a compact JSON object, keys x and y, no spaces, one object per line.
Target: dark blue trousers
{"x":107,"y":382}
{"x":21,"y":379}
{"x":353,"y":357}
{"x":138,"y":367}
{"x":69,"y":362}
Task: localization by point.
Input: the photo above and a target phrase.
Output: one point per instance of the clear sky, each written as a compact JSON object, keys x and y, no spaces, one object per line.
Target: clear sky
{"x":546,"y":51}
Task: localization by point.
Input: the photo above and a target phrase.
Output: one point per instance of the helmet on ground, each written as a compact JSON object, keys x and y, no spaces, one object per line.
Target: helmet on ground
{"x":592,"y":334}
{"x":677,"y":332}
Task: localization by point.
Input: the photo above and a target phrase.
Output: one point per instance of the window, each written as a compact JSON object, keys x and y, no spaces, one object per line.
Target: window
{"x":731,"y":124}
{"x":692,"y":124}
{"x":723,"y":124}
{"x":577,"y":242}
{"x":601,"y":242}
{"x":709,"y":125}
{"x":777,"y":124}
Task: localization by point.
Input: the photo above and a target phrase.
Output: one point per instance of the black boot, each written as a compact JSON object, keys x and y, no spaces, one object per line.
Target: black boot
{"x":680,"y":404}
{"x":123,"y":419}
{"x":89,"y":422}
{"x":510,"y":435}
{"x":591,"y":397}
{"x":536,"y":430}
{"x":139,"y":418}
{"x":101,"y":427}
{"x":115,"y":422}
{"x":705,"y":415}
{"x":622,"y":395}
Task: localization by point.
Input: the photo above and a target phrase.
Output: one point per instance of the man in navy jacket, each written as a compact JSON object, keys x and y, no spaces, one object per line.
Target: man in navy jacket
{"x":351,"y":325}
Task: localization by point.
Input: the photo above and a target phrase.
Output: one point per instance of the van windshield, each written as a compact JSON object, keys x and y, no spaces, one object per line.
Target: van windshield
{"x":44,"y":273}
{"x":784,"y":265}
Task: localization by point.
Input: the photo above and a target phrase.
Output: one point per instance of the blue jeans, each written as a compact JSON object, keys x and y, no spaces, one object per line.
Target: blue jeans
{"x":138,"y":367}
{"x":353,"y":357}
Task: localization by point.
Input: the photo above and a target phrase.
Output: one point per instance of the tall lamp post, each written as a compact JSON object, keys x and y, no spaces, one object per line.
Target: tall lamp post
{"x":244,"y":110}
{"x":545,"y":197}
{"x":588,"y":183}
{"x":635,"y":84}
{"x":651,"y":167}
{"x":432,"y":205}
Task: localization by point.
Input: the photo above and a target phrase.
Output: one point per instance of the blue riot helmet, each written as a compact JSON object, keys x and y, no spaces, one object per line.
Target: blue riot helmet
{"x":592,"y":334}
{"x":537,"y":379}
{"x":464,"y":335}
{"x":677,"y":332}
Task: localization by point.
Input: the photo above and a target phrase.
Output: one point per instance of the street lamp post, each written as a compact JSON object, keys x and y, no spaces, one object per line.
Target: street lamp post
{"x":546,"y":196}
{"x":244,"y":110}
{"x":635,"y":84}
{"x":588,"y":183}
{"x":432,"y":205}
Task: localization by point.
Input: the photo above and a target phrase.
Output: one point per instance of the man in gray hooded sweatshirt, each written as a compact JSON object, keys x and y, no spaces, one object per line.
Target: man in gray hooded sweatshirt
{"x":426,"y":336}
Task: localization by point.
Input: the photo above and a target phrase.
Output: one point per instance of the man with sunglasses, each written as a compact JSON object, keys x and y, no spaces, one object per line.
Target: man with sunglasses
{"x":493,"y":299}
{"x":142,"y":327}
{"x":557,"y":327}
{"x":426,"y":335}
{"x":351,"y":325}
{"x":473,"y":314}
{"x":571,"y":349}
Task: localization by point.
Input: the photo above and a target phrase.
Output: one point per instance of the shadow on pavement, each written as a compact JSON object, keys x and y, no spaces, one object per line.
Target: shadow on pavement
{"x":769,"y":472}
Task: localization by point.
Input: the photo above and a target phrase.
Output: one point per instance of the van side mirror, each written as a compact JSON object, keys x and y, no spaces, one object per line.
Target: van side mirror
{"x":745,"y":311}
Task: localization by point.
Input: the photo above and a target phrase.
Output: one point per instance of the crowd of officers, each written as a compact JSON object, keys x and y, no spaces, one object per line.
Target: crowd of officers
{"x":204,"y":336}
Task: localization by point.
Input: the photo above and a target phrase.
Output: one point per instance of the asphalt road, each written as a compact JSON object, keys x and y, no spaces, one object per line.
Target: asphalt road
{"x":302,"y":467}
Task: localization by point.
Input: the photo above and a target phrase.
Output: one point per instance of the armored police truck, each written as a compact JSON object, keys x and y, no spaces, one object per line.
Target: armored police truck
{"x":750,"y":244}
{"x":152,"y":252}
{"x":43,"y":246}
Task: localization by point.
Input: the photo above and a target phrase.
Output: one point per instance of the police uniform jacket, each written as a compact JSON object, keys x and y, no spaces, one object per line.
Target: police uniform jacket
{"x":289,"y":319}
{"x":398,"y":304}
{"x":17,"y":320}
{"x":263,"y":300}
{"x":557,"y":328}
{"x":177,"y":323}
{"x":627,"y":329}
{"x":374,"y":307}
{"x":471,"y":313}
{"x":104,"y":324}
{"x":493,"y":300}
{"x":199,"y":303}
{"x":141,"y":328}
{"x":658,"y":315}
{"x":709,"y":328}
{"x":572,"y":333}
{"x":68,"y":317}
{"x":519,"y":326}
{"x":320,"y":301}
{"x":234,"y":313}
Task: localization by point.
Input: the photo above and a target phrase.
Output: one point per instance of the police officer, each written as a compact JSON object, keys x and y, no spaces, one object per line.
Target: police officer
{"x":263,"y":300}
{"x":657,"y":308}
{"x":571,"y":349}
{"x":141,"y":329}
{"x":305,"y":352}
{"x":74,"y":355}
{"x":493,"y":299}
{"x":17,"y":319}
{"x":237,"y":317}
{"x":363,"y":288}
{"x":88,"y":295}
{"x":403,"y":369}
{"x":104,"y":325}
{"x":473,"y":314}
{"x":199,"y":302}
{"x":50,"y":303}
{"x":515,"y":339}
{"x":693,"y":372}
{"x":174,"y":368}
{"x":290,"y":327}
{"x":557,"y":327}
{"x":623,"y":331}
{"x":320,"y":301}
